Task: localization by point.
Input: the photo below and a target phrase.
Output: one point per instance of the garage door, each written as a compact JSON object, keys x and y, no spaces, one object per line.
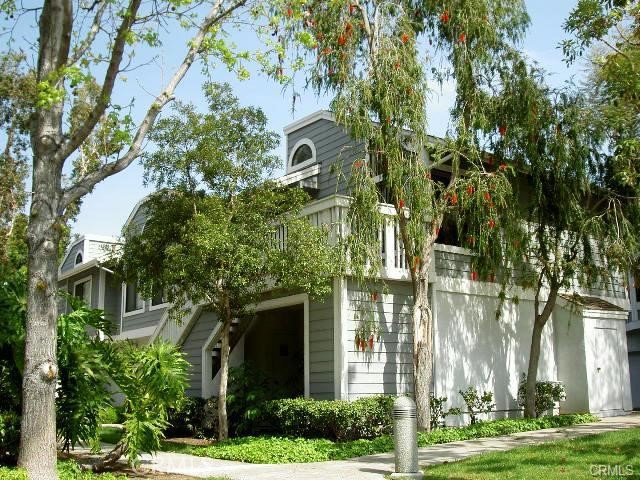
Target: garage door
{"x":608,"y":372}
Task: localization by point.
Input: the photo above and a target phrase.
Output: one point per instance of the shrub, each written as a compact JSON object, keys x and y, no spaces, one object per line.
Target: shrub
{"x":108,"y":415}
{"x":331,"y":419}
{"x":547,"y":394}
{"x":438,"y":413}
{"x":9,"y":437}
{"x":476,"y":403}
{"x":196,"y":418}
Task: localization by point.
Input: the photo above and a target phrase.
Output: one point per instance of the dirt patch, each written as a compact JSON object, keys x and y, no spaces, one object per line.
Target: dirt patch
{"x":194,"y":442}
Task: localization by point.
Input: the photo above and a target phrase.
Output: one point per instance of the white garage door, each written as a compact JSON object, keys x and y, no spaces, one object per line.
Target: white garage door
{"x":608,"y":371}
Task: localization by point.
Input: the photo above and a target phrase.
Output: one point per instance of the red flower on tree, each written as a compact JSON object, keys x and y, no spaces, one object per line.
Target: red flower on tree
{"x":462,"y":38}
{"x":404,"y":38}
{"x":445,"y":17}
{"x":502,"y":129}
{"x":371,"y":343}
{"x":289,"y":12}
{"x":474,"y":275}
{"x":326,"y":51}
{"x":342,"y":40}
{"x":401,"y":203}
{"x":470,"y":189}
{"x":358,"y":163}
{"x":503,"y":166}
{"x":352,"y":8}
{"x":454,"y":199}
{"x":491,"y":223}
{"x":487,"y":196}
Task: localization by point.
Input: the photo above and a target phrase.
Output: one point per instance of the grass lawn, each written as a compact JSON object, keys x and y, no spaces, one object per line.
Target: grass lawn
{"x":303,"y":450}
{"x":570,"y":459}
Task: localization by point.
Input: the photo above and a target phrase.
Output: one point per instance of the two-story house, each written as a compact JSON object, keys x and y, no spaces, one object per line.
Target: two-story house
{"x":310,"y":345}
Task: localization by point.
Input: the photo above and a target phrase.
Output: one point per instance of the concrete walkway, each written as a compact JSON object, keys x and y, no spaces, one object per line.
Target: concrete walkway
{"x":372,"y":466}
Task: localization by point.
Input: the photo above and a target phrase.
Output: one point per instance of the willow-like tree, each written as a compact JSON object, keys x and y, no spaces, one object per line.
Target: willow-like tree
{"x":577,"y":231}
{"x":219,"y":233}
{"x":372,"y":57}
{"x":77,"y":44}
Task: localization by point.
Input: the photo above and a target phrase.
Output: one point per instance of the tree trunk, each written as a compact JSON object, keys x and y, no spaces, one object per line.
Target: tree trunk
{"x":223,"y":424}
{"x":422,"y":351}
{"x":534,"y":354}
{"x":38,"y":431}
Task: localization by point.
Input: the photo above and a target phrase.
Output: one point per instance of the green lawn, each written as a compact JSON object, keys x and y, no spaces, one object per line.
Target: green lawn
{"x":566,"y":459}
{"x":303,"y":450}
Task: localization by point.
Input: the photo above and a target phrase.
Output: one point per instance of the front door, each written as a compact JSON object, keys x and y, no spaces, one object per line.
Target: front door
{"x":608,"y":373}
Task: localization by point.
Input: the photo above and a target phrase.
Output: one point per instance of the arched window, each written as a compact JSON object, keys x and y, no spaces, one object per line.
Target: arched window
{"x":78,"y":258}
{"x":303,"y":153}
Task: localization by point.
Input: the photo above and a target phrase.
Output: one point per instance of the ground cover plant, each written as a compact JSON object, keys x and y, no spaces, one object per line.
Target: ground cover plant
{"x":578,"y":458}
{"x":303,"y":450}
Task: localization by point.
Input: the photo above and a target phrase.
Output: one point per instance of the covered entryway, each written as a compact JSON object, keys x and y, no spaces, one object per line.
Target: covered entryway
{"x":274,"y":344}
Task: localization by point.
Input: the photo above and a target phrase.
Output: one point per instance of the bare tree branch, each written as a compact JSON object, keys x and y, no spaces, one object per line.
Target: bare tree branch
{"x":82,"y":48}
{"x":86,"y":183}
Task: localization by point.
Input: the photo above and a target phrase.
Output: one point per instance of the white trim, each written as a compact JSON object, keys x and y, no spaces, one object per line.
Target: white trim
{"x":299,"y":175}
{"x":78,"y":254}
{"x":300,"y":143}
{"x":341,"y":339}
{"x":88,"y":237}
{"x":159,"y":306}
{"x":83,"y":280}
{"x":78,"y":269}
{"x":124,"y":303}
{"x":136,"y":333}
{"x":308,"y":120}
{"x":136,"y":207}
{"x":205,"y":380}
{"x":102,"y":280}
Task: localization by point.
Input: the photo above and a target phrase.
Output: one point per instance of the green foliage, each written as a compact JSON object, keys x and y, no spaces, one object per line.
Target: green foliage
{"x":300,"y":450}
{"x":249,"y":388}
{"x":109,"y":414}
{"x":338,"y":420}
{"x":153,"y":379}
{"x":67,"y":470}
{"x":437,"y":411}
{"x":196,"y":417}
{"x":9,"y":437}
{"x":477,"y":403}
{"x":81,"y":392}
{"x":547,"y":394}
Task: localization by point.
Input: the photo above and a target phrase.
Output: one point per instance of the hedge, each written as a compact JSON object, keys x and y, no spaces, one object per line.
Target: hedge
{"x":67,"y":470}
{"x":338,"y":420}
{"x":304,"y":450}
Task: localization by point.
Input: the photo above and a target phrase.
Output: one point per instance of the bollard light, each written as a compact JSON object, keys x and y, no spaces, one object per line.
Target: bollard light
{"x":405,"y":439}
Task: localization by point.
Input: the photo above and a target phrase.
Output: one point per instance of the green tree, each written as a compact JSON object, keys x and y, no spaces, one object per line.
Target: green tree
{"x":369,"y":55}
{"x":576,"y":232}
{"x":78,"y":44}
{"x":212,"y":234}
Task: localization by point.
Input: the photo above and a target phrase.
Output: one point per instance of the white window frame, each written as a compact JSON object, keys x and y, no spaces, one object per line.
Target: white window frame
{"x":124,"y":304}
{"x":306,"y":163}
{"x":75,"y":261}
{"x":88,"y":279}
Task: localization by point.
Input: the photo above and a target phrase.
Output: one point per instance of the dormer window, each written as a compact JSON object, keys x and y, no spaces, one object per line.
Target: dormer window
{"x":78,"y":259}
{"x":302,"y":155}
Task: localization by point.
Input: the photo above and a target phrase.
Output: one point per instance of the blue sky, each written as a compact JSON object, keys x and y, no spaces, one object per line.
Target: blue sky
{"x":105,"y":210}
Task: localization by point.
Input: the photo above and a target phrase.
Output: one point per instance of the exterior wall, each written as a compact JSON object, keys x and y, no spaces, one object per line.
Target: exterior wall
{"x":192,"y":347}
{"x":634,"y":372}
{"x":321,"y":344}
{"x":95,"y":284}
{"x":473,"y":348}
{"x":112,"y":302}
{"x":332,"y":145}
{"x":572,"y":361}
{"x":387,"y":370}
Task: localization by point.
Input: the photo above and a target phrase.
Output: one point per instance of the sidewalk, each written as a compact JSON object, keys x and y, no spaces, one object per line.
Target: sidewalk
{"x":372,"y":467}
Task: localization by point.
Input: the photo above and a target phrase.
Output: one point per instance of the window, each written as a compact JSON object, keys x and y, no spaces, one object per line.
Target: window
{"x":303,"y":154}
{"x":132,"y":299}
{"x":78,"y":258}
{"x":159,"y":298}
{"x":82,"y":290}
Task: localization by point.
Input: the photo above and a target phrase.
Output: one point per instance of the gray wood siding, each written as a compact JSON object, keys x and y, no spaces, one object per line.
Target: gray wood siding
{"x":388,"y":369}
{"x":70,"y":261}
{"x":143,"y":319}
{"x":332,"y":145}
{"x":192,"y":347}
{"x":321,"y":366}
{"x":94,"y":273}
